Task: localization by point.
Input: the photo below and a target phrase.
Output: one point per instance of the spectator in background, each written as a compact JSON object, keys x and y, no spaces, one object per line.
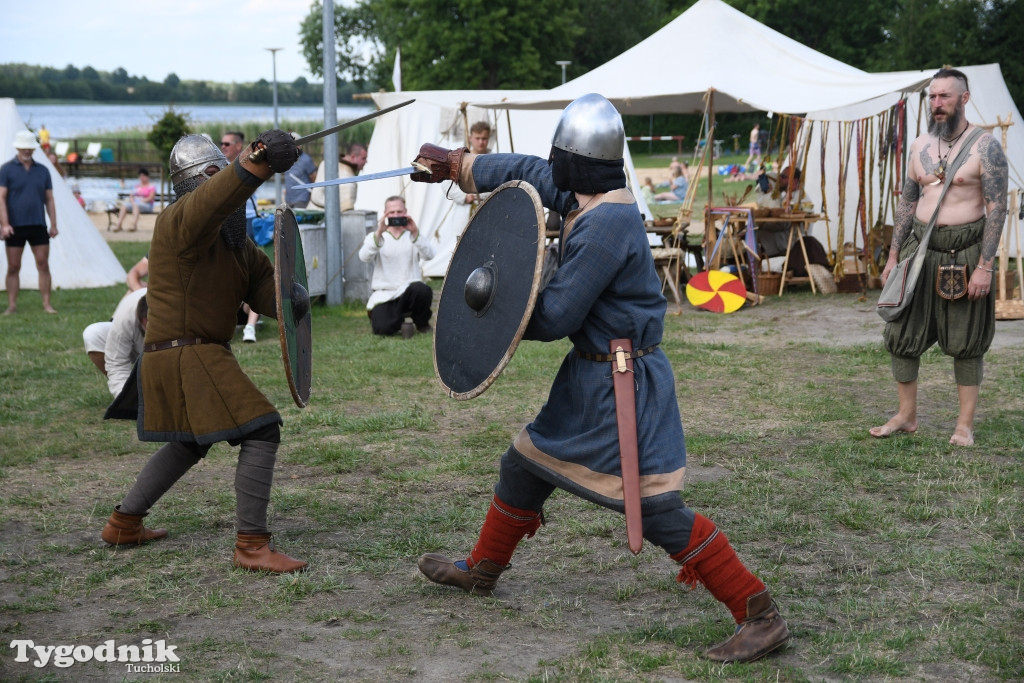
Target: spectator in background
{"x":754,"y":155}
{"x":647,"y":189}
{"x":395,"y":249}
{"x":137,"y":274}
{"x":52,"y":157}
{"x":231,"y":144}
{"x":140,"y":201}
{"x":304,"y":171}
{"x":114,"y":346}
{"x":349,"y":165}
{"x":26,"y":199}
{"x":678,"y":185}
{"x":44,"y":137}
{"x":479,"y":141}
{"x":77,"y":192}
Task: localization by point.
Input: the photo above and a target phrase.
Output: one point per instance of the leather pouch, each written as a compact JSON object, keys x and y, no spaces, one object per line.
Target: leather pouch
{"x":951,"y":281}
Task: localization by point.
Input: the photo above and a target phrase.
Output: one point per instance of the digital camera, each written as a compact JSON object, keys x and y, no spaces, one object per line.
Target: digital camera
{"x":398,"y":220}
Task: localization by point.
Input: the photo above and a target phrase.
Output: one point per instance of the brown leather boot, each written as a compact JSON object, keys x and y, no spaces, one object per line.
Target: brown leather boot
{"x":256,"y":553}
{"x":122,"y":529}
{"x":480,"y":580}
{"x":763,"y":631}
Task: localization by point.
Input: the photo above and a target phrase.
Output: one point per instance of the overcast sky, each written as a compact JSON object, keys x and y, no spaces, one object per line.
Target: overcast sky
{"x":212,"y":40}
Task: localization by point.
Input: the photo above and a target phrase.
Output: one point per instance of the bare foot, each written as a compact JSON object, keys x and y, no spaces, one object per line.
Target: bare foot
{"x":49,"y":309}
{"x":962,"y":436}
{"x":11,"y":311}
{"x":895,"y":425}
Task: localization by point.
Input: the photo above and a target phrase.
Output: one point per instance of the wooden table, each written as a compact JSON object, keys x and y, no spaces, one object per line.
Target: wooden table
{"x":737,"y":219}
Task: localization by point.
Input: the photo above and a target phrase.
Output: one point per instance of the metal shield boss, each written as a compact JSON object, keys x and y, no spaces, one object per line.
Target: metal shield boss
{"x":489,"y":290}
{"x":294,"y":321}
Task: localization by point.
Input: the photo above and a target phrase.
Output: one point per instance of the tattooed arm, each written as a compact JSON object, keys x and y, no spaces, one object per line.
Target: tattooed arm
{"x":904,"y":221}
{"x":994,"y":175}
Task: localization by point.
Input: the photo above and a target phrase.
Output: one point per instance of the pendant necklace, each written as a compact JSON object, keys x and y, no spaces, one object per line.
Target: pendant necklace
{"x":940,"y":172}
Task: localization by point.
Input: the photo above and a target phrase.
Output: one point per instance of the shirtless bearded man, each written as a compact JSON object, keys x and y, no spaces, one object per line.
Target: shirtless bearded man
{"x":969,"y":223}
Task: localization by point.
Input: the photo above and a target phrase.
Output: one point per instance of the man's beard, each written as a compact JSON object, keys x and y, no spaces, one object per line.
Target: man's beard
{"x":946,"y":129}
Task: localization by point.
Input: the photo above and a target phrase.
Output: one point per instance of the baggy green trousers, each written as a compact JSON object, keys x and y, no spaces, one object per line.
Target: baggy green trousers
{"x":962,"y":328}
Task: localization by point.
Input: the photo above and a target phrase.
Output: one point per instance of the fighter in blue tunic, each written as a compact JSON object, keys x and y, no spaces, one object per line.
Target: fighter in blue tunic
{"x":606,"y":287}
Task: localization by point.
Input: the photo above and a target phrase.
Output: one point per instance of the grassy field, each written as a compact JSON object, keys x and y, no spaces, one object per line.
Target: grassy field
{"x":895,"y":560}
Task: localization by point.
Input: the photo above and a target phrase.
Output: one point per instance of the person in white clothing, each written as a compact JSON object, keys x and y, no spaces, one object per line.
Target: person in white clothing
{"x":395,"y":249}
{"x":114,"y":346}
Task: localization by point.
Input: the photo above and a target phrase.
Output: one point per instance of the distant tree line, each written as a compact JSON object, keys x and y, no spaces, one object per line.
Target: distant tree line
{"x":30,"y":82}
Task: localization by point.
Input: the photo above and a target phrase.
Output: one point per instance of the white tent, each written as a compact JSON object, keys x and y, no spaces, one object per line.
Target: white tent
{"x":79,"y":256}
{"x":443,"y":117}
{"x":770,"y":73}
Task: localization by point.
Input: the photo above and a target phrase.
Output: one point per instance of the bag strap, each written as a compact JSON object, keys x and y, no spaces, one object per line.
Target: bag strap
{"x":957,"y":162}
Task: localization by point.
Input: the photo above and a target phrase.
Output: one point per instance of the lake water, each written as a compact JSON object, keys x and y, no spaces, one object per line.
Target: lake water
{"x":66,"y":121}
{"x":78,"y":120}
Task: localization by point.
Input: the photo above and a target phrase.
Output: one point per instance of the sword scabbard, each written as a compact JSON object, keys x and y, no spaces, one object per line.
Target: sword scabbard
{"x":625,"y":415}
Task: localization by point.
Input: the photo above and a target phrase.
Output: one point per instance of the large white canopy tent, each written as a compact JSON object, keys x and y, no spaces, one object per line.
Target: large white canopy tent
{"x":79,"y":256}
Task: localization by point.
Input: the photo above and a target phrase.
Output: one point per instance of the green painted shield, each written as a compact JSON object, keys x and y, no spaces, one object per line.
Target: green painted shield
{"x":293,"y":318}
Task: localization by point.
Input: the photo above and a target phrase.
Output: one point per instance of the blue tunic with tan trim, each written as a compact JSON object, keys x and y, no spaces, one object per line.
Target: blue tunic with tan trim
{"x":606,"y":287}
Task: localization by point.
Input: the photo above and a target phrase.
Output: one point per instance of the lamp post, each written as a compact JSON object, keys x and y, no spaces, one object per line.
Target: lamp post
{"x":563,"y":63}
{"x":277,"y":176}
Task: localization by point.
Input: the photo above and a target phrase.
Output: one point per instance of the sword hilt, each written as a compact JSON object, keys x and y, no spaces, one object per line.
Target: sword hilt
{"x":257,"y":156}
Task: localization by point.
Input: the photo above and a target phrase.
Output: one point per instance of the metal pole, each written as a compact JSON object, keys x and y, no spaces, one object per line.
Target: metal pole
{"x":277,"y":176}
{"x":332,"y":201}
{"x":563,"y":63}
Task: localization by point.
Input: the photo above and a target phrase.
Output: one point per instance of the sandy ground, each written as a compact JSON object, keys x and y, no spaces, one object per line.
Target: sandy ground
{"x":143,"y":234}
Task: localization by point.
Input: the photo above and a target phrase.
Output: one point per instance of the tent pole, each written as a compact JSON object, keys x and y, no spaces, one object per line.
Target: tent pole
{"x":508,"y":122}
{"x":709,"y":132}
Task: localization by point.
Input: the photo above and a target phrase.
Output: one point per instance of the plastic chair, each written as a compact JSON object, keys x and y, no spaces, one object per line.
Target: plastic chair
{"x":92,"y":152}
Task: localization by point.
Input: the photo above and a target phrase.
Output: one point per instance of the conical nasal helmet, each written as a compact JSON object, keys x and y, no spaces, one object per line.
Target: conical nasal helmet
{"x":192,"y":155}
{"x":591,"y":127}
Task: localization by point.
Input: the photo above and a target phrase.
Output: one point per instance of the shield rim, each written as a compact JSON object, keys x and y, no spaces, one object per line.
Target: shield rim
{"x":297,"y":395}
{"x":538,"y":267}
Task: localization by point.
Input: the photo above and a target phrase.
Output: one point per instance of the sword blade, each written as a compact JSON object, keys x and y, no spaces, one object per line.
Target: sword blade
{"x":360,"y":178}
{"x":348,"y":124}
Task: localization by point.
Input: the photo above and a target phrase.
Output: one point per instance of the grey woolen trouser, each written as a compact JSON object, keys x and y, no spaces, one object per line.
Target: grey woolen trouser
{"x":963,"y":329}
{"x":254,"y":476}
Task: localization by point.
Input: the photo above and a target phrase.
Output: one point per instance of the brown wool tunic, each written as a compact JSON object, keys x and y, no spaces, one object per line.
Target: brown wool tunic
{"x":196,"y":284}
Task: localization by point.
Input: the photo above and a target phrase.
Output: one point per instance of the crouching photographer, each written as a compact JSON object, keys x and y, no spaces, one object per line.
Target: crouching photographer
{"x":395,"y":249}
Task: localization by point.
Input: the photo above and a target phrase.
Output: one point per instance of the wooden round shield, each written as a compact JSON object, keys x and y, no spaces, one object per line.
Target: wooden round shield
{"x":294,"y":321}
{"x":489,"y":290}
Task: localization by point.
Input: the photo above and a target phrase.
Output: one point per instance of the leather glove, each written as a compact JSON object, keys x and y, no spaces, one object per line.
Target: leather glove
{"x":279,"y":149}
{"x":444,"y":164}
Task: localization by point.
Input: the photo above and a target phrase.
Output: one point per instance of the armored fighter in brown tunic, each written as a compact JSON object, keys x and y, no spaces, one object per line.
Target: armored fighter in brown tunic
{"x":192,"y":392}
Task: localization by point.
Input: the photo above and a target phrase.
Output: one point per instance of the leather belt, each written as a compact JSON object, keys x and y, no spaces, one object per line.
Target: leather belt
{"x":621,"y":356}
{"x":184,"y":341}
{"x":609,"y":357}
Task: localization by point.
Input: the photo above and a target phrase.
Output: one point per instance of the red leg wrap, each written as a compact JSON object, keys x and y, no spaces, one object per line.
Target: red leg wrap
{"x":503,"y":528}
{"x":710,"y":560}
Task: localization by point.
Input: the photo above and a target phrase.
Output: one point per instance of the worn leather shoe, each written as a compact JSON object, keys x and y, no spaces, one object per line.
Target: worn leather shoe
{"x":256,"y":553}
{"x":480,"y":580}
{"x":763,"y":631}
{"x":122,"y":529}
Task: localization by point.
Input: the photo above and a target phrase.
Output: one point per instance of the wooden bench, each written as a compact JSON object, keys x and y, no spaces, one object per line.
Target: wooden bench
{"x":114,"y":210}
